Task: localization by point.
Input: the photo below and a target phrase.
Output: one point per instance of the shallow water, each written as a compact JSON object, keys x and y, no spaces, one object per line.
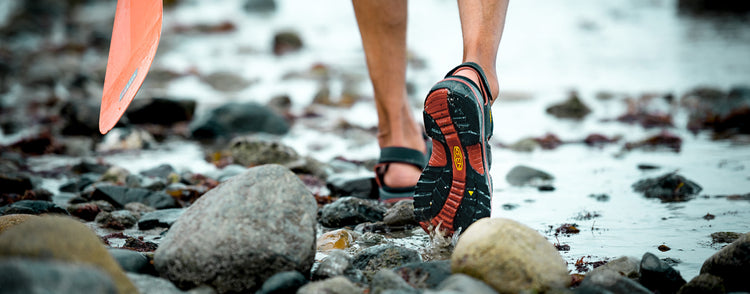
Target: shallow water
{"x":549,"y":47}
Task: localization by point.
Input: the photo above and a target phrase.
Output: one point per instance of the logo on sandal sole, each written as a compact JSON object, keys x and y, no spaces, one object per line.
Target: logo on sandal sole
{"x":458,"y":158}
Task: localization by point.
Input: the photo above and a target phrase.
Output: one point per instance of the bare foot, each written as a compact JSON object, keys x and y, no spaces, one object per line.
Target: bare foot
{"x":491,"y":79}
{"x":401,"y":175}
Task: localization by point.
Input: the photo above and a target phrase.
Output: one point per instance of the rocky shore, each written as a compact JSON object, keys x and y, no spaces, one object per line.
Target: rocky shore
{"x":271,"y":217}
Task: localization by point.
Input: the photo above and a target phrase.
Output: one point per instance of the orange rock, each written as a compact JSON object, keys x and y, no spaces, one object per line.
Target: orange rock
{"x":338,"y":239}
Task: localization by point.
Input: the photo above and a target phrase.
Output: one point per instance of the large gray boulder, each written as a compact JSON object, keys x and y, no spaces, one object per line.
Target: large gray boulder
{"x":240,"y":233}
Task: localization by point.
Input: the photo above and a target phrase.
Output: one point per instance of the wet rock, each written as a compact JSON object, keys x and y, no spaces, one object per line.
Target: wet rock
{"x":86,"y":167}
{"x":337,"y":239}
{"x":283,"y":282}
{"x":626,"y":266}
{"x":16,"y":183}
{"x":79,"y":184}
{"x":32,"y":207}
{"x":132,"y":261}
{"x":84,"y":211}
{"x":8,"y":221}
{"x":349,"y":211}
{"x":572,"y":108}
{"x":336,"y":285}
{"x":549,"y":141}
{"x":62,"y":239}
{"x":725,"y":237}
{"x":700,"y":7}
{"x":704,"y":284}
{"x":286,"y":42}
{"x":137,"y":244}
{"x":138,"y":209}
{"x":162,"y":171}
{"x":670,"y":187}
{"x":161,"y":111}
{"x":607,"y":281}
{"x":524,"y":145}
{"x":35,"y":276}
{"x":163,"y":218}
{"x":509,"y":256}
{"x":460,"y":283}
{"x":599,"y":140}
{"x":731,"y":263}
{"x":426,"y":275}
{"x":40,"y":144}
{"x":522,"y":175}
{"x":663,"y":140}
{"x":368,"y":239}
{"x":337,"y":263}
{"x":242,"y":232}
{"x":386,"y":281}
{"x":118,"y":220}
{"x":119,"y":196}
{"x":360,"y":187}
{"x":81,"y":118}
{"x":240,"y":118}
{"x":260,"y":6}
{"x":151,"y":284}
{"x":658,"y":276}
{"x":724,"y":113}
{"x":249,"y":151}
{"x":646,"y":166}
{"x":400,"y":214}
{"x":386,"y":256}
{"x":226,"y":81}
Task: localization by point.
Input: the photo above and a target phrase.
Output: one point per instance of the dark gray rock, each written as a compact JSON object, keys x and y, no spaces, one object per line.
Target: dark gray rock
{"x":732,"y":264}
{"x":286,"y":42}
{"x":118,"y":220}
{"x":132,"y":261}
{"x":610,"y":282}
{"x":163,"y":218}
{"x":572,"y":108}
{"x":253,"y":151}
{"x":385,"y":256}
{"x":425,"y":274}
{"x":162,"y":171}
{"x":401,"y":214}
{"x":119,"y":196}
{"x":260,"y":6}
{"x":670,"y":187}
{"x":386,"y":280}
{"x":522,"y":175}
{"x":704,"y":284}
{"x":627,"y":266}
{"x":242,"y":232}
{"x":33,"y":276}
{"x":658,"y":276}
{"x":156,"y":285}
{"x":283,"y":282}
{"x":15,"y":183}
{"x":78,"y":185}
{"x":80,"y":118}
{"x":87,"y":166}
{"x":360,"y":187}
{"x":337,"y":263}
{"x":337,"y":285}
{"x":161,"y":111}
{"x":235,"y":118}
{"x":461,"y":283}
{"x":349,"y":211}
{"x":32,"y":207}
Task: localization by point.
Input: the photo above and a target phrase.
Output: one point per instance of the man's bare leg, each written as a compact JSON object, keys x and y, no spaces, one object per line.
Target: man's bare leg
{"x":382,"y":24}
{"x":482,"y":24}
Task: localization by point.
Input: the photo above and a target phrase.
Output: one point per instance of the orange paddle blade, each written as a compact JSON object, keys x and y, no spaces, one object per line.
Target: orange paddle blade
{"x":135,"y":37}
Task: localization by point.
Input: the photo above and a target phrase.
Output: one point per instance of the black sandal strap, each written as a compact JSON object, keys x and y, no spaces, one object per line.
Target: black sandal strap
{"x":403,"y":155}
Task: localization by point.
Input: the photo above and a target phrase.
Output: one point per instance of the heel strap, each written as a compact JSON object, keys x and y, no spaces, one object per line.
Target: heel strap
{"x":485,"y":86}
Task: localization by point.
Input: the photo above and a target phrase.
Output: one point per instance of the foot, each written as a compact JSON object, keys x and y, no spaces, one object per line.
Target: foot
{"x":401,"y":175}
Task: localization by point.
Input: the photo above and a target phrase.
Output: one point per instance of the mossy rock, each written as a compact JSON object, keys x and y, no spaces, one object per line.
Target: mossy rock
{"x":8,"y":221}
